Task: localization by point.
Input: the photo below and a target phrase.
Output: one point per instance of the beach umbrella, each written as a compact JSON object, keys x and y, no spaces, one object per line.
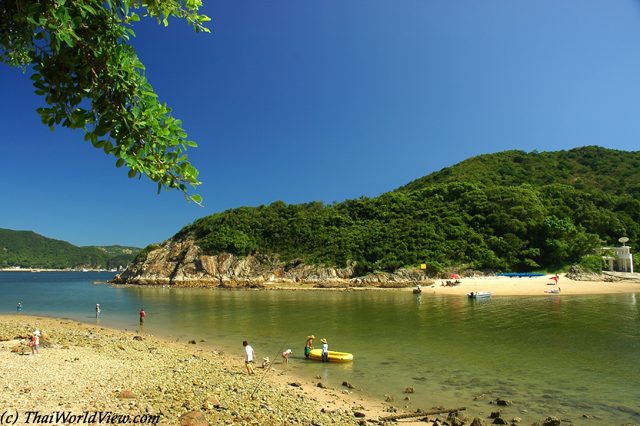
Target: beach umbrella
{"x":455,"y":276}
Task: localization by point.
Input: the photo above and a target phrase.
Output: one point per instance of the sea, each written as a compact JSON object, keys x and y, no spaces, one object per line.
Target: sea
{"x":574,"y":357}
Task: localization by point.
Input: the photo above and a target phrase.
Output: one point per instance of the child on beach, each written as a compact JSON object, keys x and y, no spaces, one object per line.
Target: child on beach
{"x":142,"y":315}
{"x":285,"y":356}
{"x":35,"y":343}
{"x":250,"y":355}
{"x":97,"y":310}
{"x":325,"y":350}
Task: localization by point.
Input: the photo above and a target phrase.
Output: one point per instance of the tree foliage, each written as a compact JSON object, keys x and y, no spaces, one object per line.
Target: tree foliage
{"x":92,"y":79}
{"x":499,"y":212}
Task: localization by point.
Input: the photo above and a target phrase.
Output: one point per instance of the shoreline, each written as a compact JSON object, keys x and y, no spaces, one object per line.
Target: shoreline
{"x":166,"y":378}
{"x":498,"y":285}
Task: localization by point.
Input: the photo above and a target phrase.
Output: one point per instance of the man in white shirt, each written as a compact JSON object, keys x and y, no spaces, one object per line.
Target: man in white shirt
{"x":250,"y":356}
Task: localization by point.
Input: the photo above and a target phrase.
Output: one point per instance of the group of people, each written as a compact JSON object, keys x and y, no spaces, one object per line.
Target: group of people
{"x":308,"y":347}
{"x":250,"y":354}
{"x":142,"y":312}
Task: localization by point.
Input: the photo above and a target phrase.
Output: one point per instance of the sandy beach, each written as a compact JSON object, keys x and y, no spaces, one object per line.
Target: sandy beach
{"x":534,"y":286}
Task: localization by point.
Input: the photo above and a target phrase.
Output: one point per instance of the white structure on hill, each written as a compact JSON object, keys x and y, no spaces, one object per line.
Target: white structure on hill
{"x":622,"y":261}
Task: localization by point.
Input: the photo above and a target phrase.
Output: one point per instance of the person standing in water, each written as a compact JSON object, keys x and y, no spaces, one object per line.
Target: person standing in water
{"x":142,"y":315}
{"x":308,"y":347}
{"x":325,"y":350}
{"x":285,"y":356}
{"x":97,"y":310}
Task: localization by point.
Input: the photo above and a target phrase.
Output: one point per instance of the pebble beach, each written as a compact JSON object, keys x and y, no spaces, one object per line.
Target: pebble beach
{"x":86,"y":370}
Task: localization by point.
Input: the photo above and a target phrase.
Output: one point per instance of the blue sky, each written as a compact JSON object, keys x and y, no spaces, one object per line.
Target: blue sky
{"x":327,"y":100}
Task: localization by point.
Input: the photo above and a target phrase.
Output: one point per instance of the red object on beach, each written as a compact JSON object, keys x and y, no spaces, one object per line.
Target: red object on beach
{"x":455,"y":276}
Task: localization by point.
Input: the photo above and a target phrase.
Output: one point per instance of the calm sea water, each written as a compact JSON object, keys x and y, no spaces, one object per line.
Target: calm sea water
{"x":567,"y":356}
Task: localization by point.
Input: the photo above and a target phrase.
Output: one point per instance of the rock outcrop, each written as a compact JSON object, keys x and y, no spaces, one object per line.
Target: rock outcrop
{"x":180,"y":263}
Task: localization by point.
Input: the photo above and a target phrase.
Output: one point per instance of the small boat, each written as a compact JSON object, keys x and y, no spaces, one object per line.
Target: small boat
{"x":479,"y":294}
{"x":316,"y":354}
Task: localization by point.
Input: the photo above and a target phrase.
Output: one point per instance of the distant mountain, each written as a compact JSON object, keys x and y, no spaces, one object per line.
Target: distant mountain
{"x":509,"y":211}
{"x":27,"y":249}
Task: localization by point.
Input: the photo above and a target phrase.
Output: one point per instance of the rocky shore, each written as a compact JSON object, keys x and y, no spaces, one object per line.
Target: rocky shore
{"x":88,"y":369}
{"x":180,"y":263}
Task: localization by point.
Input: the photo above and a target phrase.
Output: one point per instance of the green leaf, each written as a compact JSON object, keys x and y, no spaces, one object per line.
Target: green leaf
{"x":132,"y":173}
{"x":76,"y":22}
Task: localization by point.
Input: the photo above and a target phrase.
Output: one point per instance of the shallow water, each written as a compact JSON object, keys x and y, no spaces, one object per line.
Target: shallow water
{"x":551,"y":355}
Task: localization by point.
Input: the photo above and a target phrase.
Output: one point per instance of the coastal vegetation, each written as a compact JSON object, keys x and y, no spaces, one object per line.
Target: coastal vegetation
{"x":26,"y":249}
{"x":509,"y":211}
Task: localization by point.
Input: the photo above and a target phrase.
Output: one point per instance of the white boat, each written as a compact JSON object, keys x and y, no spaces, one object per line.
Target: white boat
{"x":479,"y":294}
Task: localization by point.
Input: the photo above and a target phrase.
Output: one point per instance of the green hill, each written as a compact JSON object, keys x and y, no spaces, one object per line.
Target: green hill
{"x":509,"y":211}
{"x":30,"y":250}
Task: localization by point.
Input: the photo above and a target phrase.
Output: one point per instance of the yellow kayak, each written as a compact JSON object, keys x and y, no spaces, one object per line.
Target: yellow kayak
{"x":316,"y":354}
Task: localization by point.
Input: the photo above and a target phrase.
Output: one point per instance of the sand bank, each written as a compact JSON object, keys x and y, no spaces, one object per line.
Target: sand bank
{"x":534,"y":286}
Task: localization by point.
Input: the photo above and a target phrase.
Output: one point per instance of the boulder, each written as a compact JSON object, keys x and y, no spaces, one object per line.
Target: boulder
{"x":213,"y":401}
{"x":504,"y":402}
{"x":551,"y":421}
{"x":194,"y":418}
{"x":495,"y":414}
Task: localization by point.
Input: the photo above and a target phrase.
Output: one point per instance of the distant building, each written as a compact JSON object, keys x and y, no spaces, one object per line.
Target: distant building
{"x":622,"y":259}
